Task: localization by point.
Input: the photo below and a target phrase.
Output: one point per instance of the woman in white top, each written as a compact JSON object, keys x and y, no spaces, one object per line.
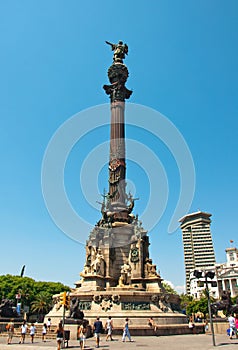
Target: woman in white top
{"x":49,"y":324}
{"x":23,"y":332}
{"x":32,"y":332}
{"x":44,"y":331}
{"x":109,"y":327}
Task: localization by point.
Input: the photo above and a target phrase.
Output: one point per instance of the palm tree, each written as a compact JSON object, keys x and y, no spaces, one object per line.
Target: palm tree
{"x":168,"y":288}
{"x":24,"y":291}
{"x":41,"y":304}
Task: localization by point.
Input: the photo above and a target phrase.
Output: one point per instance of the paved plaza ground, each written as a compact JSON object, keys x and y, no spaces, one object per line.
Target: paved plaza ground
{"x":173,"y":342}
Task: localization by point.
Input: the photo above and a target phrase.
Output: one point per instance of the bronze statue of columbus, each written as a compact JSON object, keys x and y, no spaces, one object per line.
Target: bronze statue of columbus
{"x":120,"y":50}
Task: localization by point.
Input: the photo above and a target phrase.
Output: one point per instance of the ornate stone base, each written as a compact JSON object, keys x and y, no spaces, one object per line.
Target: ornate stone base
{"x":122,"y":302}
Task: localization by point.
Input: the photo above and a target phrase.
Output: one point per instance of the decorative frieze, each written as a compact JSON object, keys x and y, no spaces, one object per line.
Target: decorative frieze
{"x":135,"y":306}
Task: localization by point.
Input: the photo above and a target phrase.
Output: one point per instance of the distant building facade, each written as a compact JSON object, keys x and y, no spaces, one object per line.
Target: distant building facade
{"x":227,"y":273}
{"x":197,"y":287}
{"x":226,"y":277}
{"x":197,"y":243}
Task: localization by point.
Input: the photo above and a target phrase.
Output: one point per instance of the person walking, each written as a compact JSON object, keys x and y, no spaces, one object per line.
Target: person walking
{"x":44,"y":331}
{"x":232,"y":325}
{"x":23,"y":332}
{"x":126,"y":332}
{"x":32,"y":332}
{"x":97,"y":327}
{"x":10,"y":331}
{"x":82,"y":330}
{"x":236,"y":325}
{"x":109,"y":327}
{"x":59,"y":335}
{"x":49,"y":324}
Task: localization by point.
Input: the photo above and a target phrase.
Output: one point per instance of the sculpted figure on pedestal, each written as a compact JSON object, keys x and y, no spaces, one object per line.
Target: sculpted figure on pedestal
{"x":90,"y":256}
{"x":125,"y":278}
{"x":86,"y":270}
{"x":150,"y":269}
{"x":75,"y":311}
{"x":6,"y":308}
{"x":98,"y":265}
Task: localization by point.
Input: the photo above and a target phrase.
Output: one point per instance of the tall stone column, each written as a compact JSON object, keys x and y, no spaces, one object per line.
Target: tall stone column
{"x":117,"y":74}
{"x":117,"y":166}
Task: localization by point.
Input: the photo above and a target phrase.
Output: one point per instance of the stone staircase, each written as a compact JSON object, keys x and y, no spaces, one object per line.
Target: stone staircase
{"x":17,"y":331}
{"x":169,"y":329}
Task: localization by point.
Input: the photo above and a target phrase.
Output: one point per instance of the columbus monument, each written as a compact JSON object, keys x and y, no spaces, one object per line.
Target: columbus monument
{"x":119,"y":278}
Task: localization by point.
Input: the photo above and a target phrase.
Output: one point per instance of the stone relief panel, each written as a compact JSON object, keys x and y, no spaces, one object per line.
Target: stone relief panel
{"x":106,"y":301}
{"x":135,"y":306}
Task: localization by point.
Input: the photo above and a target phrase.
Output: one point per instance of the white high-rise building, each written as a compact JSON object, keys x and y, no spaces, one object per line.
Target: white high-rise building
{"x":197,"y":242}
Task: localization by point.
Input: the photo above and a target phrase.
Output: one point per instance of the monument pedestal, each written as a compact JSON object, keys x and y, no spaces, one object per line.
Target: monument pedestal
{"x":121,"y":281}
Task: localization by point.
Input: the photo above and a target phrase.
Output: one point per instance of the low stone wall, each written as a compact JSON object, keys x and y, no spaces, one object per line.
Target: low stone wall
{"x":163,"y":330}
{"x":174,"y":329}
{"x":219,"y":327}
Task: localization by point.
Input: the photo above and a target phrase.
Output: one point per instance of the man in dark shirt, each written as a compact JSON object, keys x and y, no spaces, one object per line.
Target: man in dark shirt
{"x":97,"y":327}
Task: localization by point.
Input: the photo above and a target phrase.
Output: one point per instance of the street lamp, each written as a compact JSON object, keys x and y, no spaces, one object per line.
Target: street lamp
{"x":211,"y":275}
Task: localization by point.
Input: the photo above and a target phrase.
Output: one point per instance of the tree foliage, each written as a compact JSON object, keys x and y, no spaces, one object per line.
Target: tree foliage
{"x":195,"y":306}
{"x":200,"y":305}
{"x":168,"y":288}
{"x":185,"y":300}
{"x":42,"y":303}
{"x":234,"y":300}
{"x":36,"y":295}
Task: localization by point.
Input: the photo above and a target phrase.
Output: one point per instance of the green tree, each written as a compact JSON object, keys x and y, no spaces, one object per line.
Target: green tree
{"x":195,"y":306}
{"x":185,"y":300}
{"x":25,"y":293}
{"x":12,"y":285}
{"x":29,"y":289}
{"x":42,"y":303}
{"x":168,"y":288}
{"x":200,"y":305}
{"x":234,"y":299}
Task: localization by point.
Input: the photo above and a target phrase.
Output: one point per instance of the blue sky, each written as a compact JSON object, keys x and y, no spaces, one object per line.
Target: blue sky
{"x":182,"y":62}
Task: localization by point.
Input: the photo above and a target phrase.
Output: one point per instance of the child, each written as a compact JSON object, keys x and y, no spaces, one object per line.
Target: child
{"x":49,"y":324}
{"x":32,"y":332}
{"x":44,"y":331}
